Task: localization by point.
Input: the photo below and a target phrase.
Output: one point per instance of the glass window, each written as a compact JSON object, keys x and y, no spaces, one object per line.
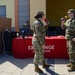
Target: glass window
{"x":3,"y":11}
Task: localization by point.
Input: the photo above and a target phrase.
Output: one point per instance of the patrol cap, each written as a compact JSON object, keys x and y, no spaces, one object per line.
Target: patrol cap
{"x":71,"y":11}
{"x":40,"y":13}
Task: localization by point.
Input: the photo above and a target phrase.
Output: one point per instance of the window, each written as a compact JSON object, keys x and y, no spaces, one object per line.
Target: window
{"x":3,"y":11}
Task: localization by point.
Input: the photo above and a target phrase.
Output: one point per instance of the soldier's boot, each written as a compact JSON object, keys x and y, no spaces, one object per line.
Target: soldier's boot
{"x":38,"y":70}
{"x":69,"y":65}
{"x":72,"y":68}
{"x":45,"y":65}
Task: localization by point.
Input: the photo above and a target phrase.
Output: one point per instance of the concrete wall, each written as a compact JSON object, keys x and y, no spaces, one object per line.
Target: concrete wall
{"x":9,"y":9}
{"x":34,"y":6}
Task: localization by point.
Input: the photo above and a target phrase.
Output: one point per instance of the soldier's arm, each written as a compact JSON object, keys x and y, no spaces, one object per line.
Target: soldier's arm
{"x":47,"y":23}
{"x":38,"y":30}
{"x":63,"y":24}
{"x":47,"y":26}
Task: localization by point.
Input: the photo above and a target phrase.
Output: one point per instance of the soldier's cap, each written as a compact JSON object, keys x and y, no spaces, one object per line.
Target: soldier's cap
{"x":40,"y":13}
{"x":71,"y":11}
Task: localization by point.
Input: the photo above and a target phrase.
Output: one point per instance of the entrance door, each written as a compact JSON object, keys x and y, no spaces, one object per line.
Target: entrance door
{"x":55,"y":9}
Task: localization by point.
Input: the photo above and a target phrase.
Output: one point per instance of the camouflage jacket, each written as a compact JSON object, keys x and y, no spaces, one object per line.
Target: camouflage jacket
{"x":39,"y":30}
{"x":70,"y":28}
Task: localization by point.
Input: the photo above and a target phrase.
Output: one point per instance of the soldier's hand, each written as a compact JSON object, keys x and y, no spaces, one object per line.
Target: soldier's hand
{"x":43,"y":46}
{"x":73,"y":39}
{"x":62,"y":22}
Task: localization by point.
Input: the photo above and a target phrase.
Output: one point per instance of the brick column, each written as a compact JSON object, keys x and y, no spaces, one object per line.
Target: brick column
{"x":16,"y":16}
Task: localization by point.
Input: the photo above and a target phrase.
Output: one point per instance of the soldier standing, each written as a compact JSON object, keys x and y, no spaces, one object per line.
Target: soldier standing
{"x":39,"y":28}
{"x":70,"y":36}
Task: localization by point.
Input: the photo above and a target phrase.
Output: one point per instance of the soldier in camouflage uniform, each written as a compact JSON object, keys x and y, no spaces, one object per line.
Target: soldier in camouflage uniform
{"x":70,"y":36}
{"x":39,"y":28}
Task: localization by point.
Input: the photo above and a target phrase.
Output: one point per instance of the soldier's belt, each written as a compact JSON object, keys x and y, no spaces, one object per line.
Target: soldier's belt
{"x":38,"y":40}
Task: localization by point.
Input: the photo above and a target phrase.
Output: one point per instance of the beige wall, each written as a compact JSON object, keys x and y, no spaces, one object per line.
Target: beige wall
{"x":34,"y":6}
{"x":9,"y":9}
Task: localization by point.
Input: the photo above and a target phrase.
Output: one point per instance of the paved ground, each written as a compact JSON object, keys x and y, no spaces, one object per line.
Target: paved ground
{"x":13,"y":66}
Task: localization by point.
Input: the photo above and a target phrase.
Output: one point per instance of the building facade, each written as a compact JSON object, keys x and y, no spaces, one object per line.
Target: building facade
{"x":17,"y":10}
{"x":24,"y":10}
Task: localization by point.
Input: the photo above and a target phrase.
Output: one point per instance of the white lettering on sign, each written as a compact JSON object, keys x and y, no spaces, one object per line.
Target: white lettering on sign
{"x":48,"y":47}
{"x":46,"y":50}
{"x":30,"y":47}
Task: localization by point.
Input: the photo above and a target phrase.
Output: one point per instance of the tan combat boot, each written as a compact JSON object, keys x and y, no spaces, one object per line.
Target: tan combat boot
{"x":72,"y":68}
{"x":45,"y":65}
{"x":69,"y":65}
{"x":38,"y":70}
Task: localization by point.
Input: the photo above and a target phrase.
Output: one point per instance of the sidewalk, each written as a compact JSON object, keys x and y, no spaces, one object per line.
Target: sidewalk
{"x":12,"y":66}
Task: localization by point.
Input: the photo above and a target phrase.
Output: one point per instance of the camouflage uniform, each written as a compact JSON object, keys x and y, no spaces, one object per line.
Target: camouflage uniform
{"x":70,"y":34}
{"x":38,"y":40}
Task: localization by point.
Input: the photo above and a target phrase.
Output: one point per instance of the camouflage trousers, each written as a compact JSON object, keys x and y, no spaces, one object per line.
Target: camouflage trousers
{"x":39,"y":53}
{"x":71,"y":51}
